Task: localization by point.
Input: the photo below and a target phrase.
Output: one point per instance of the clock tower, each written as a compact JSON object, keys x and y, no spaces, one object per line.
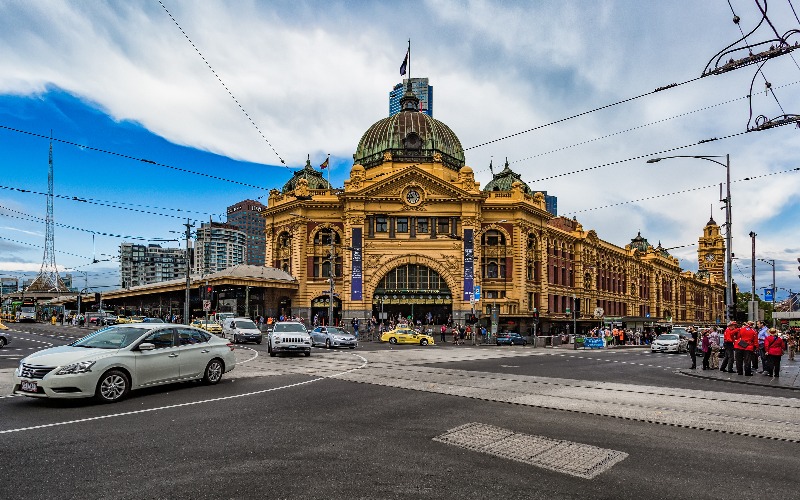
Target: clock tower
{"x":711,"y":251}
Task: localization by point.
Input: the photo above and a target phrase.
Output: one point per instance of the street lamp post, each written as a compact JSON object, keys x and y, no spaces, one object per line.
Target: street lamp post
{"x":771,"y":262}
{"x":731,"y":300}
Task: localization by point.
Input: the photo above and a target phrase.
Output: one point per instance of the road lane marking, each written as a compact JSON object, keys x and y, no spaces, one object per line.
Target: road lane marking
{"x":182,"y":405}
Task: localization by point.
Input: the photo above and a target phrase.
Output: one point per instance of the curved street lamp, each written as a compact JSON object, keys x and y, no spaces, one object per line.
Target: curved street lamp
{"x":728,"y":233}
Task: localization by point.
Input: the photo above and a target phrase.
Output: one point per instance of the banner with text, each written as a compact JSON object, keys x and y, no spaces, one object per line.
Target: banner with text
{"x":469,"y":271}
{"x":355,"y":263}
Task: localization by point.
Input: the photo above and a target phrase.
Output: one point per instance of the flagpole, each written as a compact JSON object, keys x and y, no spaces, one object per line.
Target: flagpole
{"x":328,"y":168}
{"x":409,"y":63}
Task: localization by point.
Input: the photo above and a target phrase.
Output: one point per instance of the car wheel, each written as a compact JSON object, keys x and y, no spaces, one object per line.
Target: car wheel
{"x":258,"y":342}
{"x":270,"y":351}
{"x":327,"y":343}
{"x":307,"y":353}
{"x":112,"y":386}
{"x":392,"y":340}
{"x":423,"y":342}
{"x":214,"y":371}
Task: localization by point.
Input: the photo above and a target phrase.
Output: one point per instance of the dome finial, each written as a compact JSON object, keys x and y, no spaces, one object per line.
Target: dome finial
{"x":491,"y":168}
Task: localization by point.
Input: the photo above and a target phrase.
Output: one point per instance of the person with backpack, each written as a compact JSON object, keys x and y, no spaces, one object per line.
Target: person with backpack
{"x":745,"y":347}
{"x":774,"y":346}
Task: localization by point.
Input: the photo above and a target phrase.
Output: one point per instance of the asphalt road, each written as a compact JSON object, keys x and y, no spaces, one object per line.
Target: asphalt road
{"x":334,"y":426}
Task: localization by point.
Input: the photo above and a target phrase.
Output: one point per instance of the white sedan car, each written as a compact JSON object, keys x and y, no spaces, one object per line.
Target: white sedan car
{"x":109,"y":363}
{"x":669,"y":342}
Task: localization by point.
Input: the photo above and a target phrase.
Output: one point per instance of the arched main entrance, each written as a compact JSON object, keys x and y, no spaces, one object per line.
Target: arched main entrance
{"x":413,"y":291}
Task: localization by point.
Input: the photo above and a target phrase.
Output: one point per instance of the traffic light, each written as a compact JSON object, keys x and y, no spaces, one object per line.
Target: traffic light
{"x":97,"y":297}
{"x":577,"y":306}
{"x":206,"y":291}
{"x":536,"y":314}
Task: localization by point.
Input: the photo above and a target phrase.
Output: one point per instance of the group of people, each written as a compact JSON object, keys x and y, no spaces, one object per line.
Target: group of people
{"x":621,"y":336}
{"x":743,"y":346}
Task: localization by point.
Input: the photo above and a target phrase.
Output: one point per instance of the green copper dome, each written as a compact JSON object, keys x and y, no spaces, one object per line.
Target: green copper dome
{"x":314,"y":178}
{"x":640,"y":243}
{"x":503,"y":180}
{"x":409,"y":136}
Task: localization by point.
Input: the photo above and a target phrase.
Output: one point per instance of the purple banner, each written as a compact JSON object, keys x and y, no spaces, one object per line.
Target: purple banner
{"x":469,"y":257}
{"x":355,"y":264}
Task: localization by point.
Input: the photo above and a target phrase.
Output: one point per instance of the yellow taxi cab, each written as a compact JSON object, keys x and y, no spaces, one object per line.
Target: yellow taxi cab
{"x":121,"y":320}
{"x":406,"y":335}
{"x":136,"y":319}
{"x":209,"y":326}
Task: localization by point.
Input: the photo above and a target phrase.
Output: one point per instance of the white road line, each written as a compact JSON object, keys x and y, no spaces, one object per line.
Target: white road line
{"x":181,"y":405}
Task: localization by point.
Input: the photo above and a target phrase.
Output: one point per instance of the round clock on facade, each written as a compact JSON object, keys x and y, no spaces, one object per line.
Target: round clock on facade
{"x":710,"y":257}
{"x":412,"y":196}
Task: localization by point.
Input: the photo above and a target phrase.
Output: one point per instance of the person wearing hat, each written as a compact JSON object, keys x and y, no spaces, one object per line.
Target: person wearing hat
{"x":728,"y":338}
{"x":774,"y":346}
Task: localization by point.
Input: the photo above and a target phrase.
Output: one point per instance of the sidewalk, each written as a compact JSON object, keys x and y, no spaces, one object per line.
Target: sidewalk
{"x":789,"y":376}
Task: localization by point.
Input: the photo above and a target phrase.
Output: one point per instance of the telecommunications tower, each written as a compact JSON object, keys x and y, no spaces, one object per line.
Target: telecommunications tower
{"x":48,"y":279}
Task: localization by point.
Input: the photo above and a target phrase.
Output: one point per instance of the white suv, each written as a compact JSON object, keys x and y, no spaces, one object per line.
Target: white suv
{"x":289,"y":336}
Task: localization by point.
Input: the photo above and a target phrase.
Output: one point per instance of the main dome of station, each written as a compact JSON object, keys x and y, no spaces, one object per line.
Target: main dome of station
{"x":409,"y":136}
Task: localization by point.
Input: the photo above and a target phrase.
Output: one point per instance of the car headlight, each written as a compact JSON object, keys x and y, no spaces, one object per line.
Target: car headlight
{"x":82,"y":367}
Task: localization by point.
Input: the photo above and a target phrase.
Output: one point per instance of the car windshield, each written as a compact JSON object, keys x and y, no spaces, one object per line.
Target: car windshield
{"x":111,"y":338}
{"x":246,"y":325}
{"x":153,"y":320}
{"x":289,"y":327}
{"x":335,"y":331}
{"x":668,"y":336}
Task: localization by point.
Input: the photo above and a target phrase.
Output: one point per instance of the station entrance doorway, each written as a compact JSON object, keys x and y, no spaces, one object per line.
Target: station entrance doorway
{"x":414,"y":292}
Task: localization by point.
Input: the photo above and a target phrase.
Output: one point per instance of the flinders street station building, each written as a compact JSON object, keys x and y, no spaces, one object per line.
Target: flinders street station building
{"x":413,"y":234}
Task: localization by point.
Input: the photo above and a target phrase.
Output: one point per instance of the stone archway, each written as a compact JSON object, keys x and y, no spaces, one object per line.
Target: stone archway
{"x":447,"y":274}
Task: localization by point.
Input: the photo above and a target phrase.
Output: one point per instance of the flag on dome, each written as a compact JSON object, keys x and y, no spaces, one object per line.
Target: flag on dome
{"x":325,"y":163}
{"x":403,"y":66}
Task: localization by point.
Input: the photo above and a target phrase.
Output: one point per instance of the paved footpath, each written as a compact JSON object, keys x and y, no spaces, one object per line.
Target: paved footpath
{"x":789,"y":376}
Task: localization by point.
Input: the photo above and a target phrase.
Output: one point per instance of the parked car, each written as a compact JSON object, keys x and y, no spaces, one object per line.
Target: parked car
{"x":208,"y":325}
{"x":511,"y":339}
{"x":4,"y":340}
{"x":289,"y":336}
{"x":109,"y":363}
{"x":152,"y":320}
{"x":101,"y":318}
{"x":669,"y":342}
{"x":241,"y":330}
{"x":406,"y":335}
{"x":330,"y":336}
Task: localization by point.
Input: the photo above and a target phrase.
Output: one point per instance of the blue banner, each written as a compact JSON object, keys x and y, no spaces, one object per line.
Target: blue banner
{"x":768,"y":295}
{"x":355,"y":264}
{"x":469,"y":271}
{"x":593,"y":342}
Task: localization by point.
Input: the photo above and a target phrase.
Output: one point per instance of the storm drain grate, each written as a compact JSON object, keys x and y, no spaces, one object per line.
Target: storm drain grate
{"x":567,"y":457}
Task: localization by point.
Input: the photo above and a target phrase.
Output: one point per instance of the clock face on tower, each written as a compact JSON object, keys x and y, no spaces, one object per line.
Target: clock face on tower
{"x":412,"y":197}
{"x":710,"y":257}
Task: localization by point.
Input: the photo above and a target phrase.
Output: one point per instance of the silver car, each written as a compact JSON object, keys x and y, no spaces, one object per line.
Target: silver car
{"x":669,"y":342}
{"x":330,"y":336}
{"x":109,"y":363}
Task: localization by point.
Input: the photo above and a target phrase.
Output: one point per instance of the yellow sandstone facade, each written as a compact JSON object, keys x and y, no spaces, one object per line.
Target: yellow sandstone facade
{"x":415,"y":235}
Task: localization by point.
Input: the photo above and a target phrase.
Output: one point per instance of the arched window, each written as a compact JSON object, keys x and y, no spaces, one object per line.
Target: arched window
{"x":322,"y":253}
{"x":493,"y":254}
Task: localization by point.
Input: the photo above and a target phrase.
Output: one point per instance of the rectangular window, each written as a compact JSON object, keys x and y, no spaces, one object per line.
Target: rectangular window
{"x":381,"y":224}
{"x":422,"y":225}
{"x":402,"y":224}
{"x":443,"y":226}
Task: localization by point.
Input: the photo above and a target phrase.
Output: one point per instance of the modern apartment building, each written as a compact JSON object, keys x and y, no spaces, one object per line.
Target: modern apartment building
{"x":8,"y":285}
{"x":219,"y":246}
{"x":421,"y":89}
{"x":246,"y":215}
{"x":145,"y":264}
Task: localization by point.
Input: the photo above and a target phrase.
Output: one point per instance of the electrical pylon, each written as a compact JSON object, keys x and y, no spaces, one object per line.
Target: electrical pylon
{"x":48,"y":279}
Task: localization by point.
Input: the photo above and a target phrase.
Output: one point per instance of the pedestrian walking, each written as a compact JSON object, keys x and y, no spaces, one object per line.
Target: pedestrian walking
{"x":693,"y":346}
{"x":714,"y":340}
{"x":731,"y":333}
{"x":705,"y":346}
{"x":763,"y":331}
{"x":774,"y":345}
{"x":792,"y":345}
{"x":745,"y":347}
{"x":462,"y":333}
{"x":443,"y":333}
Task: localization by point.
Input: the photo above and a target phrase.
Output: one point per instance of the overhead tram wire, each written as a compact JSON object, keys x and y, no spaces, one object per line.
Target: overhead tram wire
{"x":619,"y":132}
{"x":223,"y":84}
{"x":33,"y":218}
{"x":40,"y":246}
{"x":129,"y":157}
{"x":689,"y":190}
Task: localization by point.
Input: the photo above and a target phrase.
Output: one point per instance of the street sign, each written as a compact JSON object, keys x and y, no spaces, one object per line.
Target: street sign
{"x":206,"y":305}
{"x":477,"y":292}
{"x":768,"y":295}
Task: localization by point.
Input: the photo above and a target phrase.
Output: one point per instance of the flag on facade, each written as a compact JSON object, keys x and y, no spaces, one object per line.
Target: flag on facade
{"x":404,"y":65}
{"x":325,"y":163}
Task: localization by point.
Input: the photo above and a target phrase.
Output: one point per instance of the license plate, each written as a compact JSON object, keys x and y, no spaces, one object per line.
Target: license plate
{"x":29,"y":386}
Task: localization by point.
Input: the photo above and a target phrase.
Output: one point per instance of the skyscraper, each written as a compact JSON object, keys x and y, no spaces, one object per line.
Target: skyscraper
{"x":219,"y":246}
{"x":145,"y":264}
{"x":246,"y":215}
{"x":420,"y":88}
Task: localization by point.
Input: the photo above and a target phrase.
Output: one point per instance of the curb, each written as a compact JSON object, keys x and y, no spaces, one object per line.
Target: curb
{"x":690,"y":373}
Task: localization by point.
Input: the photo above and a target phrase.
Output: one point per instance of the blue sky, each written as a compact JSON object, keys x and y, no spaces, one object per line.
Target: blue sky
{"x":313,"y":76}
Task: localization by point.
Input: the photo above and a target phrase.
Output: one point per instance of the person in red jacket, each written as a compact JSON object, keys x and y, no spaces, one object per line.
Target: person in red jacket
{"x":730,"y":335}
{"x":774,"y":346}
{"x":745,"y":347}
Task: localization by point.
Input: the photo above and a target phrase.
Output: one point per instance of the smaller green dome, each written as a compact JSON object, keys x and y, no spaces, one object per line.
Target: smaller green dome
{"x":314,"y":178}
{"x":640,"y":243}
{"x":503,"y":180}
